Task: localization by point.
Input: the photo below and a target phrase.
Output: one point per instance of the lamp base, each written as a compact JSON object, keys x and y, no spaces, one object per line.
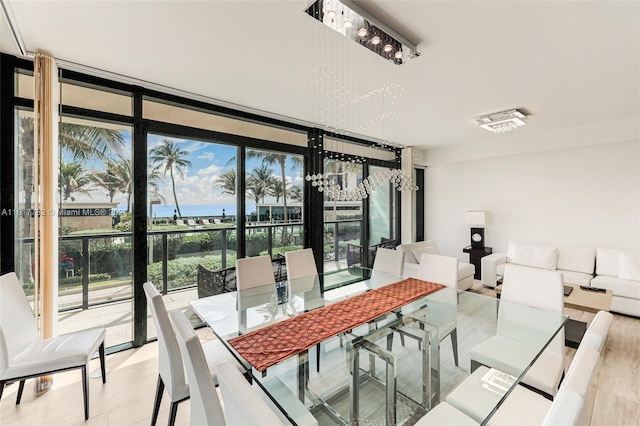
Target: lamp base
{"x":477,"y":238}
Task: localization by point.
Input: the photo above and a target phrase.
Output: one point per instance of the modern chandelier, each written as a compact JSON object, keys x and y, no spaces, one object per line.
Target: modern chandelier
{"x":326,"y":184}
{"x":355,"y":23}
{"x":502,"y":122}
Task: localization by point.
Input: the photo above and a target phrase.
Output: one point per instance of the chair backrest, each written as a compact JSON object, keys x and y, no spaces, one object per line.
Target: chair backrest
{"x":570,"y":405}
{"x":439,"y":269}
{"x":18,"y":327}
{"x":538,"y":288}
{"x":253,"y":272}
{"x":205,"y":405}
{"x":596,"y":334}
{"x":243,"y":406}
{"x":300,"y":263}
{"x":389,"y":261}
{"x":170,"y":364}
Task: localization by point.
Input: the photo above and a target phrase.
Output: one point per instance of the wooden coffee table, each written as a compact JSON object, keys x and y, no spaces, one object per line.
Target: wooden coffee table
{"x":584,"y":300}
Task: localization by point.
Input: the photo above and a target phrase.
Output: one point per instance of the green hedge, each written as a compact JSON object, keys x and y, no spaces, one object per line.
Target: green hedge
{"x":77,"y":280}
{"x":182,"y":272}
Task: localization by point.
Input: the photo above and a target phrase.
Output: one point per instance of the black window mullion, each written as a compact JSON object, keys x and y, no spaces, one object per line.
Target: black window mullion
{"x":139,"y":231}
{"x":7,"y":163}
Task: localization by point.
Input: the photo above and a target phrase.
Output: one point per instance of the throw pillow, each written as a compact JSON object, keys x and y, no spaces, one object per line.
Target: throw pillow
{"x":629,"y":266}
{"x":419,"y":251}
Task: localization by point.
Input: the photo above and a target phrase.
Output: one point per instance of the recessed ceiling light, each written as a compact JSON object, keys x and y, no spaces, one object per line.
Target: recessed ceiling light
{"x":387,"y":48}
{"x":362,"y":32}
{"x":376,"y":40}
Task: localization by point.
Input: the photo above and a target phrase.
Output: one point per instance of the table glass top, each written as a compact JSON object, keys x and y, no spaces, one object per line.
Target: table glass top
{"x":375,"y":348}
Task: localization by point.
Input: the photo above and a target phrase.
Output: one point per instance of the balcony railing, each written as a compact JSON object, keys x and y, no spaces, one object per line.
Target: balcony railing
{"x":102,"y":263}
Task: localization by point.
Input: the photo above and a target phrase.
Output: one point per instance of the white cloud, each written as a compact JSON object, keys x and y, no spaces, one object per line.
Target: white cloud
{"x":206,"y":156}
{"x":210,"y":170}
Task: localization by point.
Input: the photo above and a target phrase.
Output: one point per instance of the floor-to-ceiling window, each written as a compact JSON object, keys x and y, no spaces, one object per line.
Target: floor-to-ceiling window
{"x":117,"y":195}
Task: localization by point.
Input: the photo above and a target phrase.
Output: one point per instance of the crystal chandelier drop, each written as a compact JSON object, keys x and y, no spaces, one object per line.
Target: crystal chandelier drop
{"x":333,"y":191}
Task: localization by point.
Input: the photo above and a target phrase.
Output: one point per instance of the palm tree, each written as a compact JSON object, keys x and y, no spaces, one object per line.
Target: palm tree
{"x":227,"y":181}
{"x":259,"y":182}
{"x":271,"y":158}
{"x":296,"y":193}
{"x":73,"y":179}
{"x":83,"y":142}
{"x":343,"y":168}
{"x":109,"y":180}
{"x":168,"y":156}
{"x":276,"y":189}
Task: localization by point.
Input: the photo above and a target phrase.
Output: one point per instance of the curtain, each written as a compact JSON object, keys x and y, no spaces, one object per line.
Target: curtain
{"x":46,"y":100}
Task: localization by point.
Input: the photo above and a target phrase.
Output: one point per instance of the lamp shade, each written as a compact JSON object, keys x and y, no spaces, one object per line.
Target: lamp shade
{"x":475,"y":218}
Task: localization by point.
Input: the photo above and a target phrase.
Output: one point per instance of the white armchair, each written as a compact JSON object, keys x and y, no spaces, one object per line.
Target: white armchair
{"x":23,"y":355}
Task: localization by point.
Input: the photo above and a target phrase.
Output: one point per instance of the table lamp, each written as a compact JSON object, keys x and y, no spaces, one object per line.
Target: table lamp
{"x":477,"y":220}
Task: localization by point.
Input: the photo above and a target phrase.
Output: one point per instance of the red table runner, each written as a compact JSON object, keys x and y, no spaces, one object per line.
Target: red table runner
{"x":268,"y":346}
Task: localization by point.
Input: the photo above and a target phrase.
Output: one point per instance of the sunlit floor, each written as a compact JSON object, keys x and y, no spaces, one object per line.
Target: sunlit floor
{"x":127,"y":398}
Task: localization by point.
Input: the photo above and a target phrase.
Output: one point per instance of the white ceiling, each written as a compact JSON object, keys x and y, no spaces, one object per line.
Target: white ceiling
{"x":574,"y":66}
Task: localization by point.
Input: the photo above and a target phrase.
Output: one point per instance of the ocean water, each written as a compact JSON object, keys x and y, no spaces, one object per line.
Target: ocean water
{"x":160,"y":211}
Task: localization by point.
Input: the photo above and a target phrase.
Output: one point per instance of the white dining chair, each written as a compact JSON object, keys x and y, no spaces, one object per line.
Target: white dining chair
{"x":538,"y":288}
{"x":23,"y":355}
{"x":170,"y":363}
{"x":243,"y":406}
{"x":301,"y":265}
{"x":524,"y":406}
{"x":598,"y":330}
{"x":254,"y":272}
{"x":569,"y":407}
{"x":443,"y":309}
{"x":389,"y":261}
{"x":444,"y":414}
{"x":205,"y":404}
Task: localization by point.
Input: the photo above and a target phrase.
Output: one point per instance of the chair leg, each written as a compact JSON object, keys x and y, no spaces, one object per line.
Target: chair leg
{"x":172,"y":413}
{"x":103,"y":365}
{"x":2,"y":383}
{"x":402,"y":339}
{"x":20,"y":390}
{"x":85,"y":391}
{"x":454,"y":345}
{"x":156,"y":404}
{"x":390,"y":342}
{"x":318,"y":358}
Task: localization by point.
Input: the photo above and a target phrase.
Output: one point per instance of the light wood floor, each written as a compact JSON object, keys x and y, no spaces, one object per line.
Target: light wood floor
{"x":127,"y":398}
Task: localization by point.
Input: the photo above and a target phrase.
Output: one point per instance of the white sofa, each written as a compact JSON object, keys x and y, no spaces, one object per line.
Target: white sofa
{"x":619,"y":270}
{"x":413,"y":252}
{"x":575,"y":263}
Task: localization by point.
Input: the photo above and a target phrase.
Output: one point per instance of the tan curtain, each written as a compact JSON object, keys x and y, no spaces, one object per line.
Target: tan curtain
{"x":46,"y":184}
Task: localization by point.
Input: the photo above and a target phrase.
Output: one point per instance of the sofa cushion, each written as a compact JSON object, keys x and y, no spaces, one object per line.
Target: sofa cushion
{"x":629,"y":266}
{"x":465,"y":270}
{"x":607,"y":262}
{"x":545,"y":257}
{"x":579,"y":259}
{"x":408,"y":249}
{"x":577,"y":278}
{"x":418,"y":252}
{"x":620,"y":287}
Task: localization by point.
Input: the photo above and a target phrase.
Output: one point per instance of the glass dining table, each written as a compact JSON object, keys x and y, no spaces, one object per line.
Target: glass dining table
{"x":391,"y":368}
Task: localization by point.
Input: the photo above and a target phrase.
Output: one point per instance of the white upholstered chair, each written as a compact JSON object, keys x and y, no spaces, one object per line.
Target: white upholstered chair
{"x":23,"y":355}
{"x":243,"y":406}
{"x":254,"y":272}
{"x":301,"y":266}
{"x":538,"y":288}
{"x":524,"y":406}
{"x":389,"y":261}
{"x":443,"y":309}
{"x":444,"y":414}
{"x":570,"y":405}
{"x":170,"y":364}
{"x":205,"y":405}
{"x":300,"y":263}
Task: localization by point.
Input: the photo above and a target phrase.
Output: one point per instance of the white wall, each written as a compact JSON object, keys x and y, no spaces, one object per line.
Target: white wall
{"x":587,"y":196}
